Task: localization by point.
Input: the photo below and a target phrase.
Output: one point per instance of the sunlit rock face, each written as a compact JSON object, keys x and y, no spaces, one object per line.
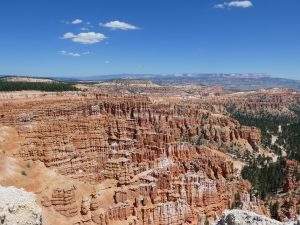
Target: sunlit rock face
{"x":90,"y":138}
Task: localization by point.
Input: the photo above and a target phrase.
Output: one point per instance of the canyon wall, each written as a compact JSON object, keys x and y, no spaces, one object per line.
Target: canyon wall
{"x":148,"y":163}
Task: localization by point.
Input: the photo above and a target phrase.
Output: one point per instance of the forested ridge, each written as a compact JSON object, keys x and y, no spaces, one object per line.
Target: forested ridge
{"x":288,"y":137}
{"x":40,"y":86}
{"x":266,"y":176}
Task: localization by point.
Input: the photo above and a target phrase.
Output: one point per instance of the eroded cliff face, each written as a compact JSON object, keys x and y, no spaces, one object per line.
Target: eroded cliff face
{"x":275,"y":103}
{"x":288,"y":200}
{"x":129,"y":160}
{"x":82,"y":137}
{"x":292,"y":168}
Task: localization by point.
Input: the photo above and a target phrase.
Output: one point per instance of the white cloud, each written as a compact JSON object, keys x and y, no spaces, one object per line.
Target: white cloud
{"x":85,"y":38}
{"x":219,"y":6}
{"x":77,"y":21}
{"x":75,"y":54}
{"x":238,"y":4}
{"x":68,"y":35}
{"x":242,"y":4}
{"x":117,"y":25}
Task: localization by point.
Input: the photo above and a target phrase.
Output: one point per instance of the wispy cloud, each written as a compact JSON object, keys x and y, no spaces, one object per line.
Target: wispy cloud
{"x":74,"y":54}
{"x":84,"y":29}
{"x":77,"y":21}
{"x":107,"y":62}
{"x":85,"y":38}
{"x":65,"y":21}
{"x":118,"y":25}
{"x":68,"y":35}
{"x":86,"y":53}
{"x":237,"y":4}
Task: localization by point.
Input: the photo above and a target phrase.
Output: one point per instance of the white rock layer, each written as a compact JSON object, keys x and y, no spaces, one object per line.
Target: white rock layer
{"x":18,"y":207}
{"x":241,"y":217}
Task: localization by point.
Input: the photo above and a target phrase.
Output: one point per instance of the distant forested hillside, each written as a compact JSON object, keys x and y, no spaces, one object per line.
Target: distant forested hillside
{"x":40,"y":86}
{"x":233,"y":82}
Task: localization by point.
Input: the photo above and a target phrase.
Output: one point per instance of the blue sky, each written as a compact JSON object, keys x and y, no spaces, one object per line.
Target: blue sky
{"x":93,"y":37}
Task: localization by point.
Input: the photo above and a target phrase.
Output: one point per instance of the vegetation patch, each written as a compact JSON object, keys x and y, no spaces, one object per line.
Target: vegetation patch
{"x":39,"y":86}
{"x":265,"y":176}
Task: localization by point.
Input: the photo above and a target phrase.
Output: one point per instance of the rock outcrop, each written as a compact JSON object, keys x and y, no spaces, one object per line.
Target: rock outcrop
{"x":18,"y":207}
{"x":292,"y":168}
{"x":240,"y":217}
